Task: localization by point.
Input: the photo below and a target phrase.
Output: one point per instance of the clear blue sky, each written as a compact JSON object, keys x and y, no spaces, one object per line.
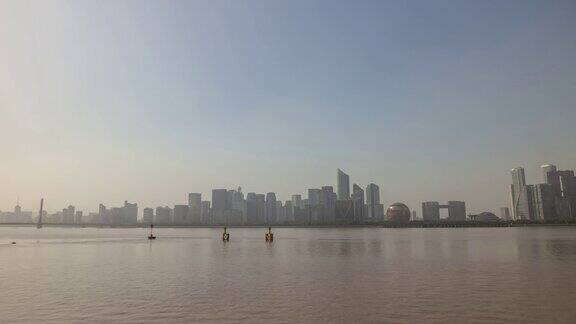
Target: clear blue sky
{"x":103,"y":101}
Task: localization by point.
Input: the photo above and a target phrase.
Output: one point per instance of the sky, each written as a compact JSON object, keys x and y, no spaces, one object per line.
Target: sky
{"x":106,"y":101}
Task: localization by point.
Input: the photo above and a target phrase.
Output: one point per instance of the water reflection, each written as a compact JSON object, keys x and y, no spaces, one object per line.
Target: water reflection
{"x":305,"y":275}
{"x":561,"y":248}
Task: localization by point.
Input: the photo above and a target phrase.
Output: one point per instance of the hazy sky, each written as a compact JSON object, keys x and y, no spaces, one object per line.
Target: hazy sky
{"x":103,"y":101}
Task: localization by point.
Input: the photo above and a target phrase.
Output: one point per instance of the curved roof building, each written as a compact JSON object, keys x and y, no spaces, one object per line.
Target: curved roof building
{"x":398,"y":212}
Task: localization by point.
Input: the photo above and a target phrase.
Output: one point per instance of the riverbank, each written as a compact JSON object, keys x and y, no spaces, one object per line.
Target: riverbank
{"x":412,"y":224}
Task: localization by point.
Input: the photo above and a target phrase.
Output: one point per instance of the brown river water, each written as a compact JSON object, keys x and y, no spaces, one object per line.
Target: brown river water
{"x":307,"y":275}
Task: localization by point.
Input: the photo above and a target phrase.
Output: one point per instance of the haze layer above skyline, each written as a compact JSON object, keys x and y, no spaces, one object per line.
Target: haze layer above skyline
{"x":103,"y":101}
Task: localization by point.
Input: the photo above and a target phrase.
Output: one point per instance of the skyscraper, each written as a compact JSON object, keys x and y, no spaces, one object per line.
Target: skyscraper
{"x":372,"y":202}
{"x":344,"y":211}
{"x":261,"y":206}
{"x":78,"y":218}
{"x":271,"y":208}
{"x":163,"y":215}
{"x":521,"y":195}
{"x":358,"y":198}
{"x":568,"y":186}
{"x":103,"y":214}
{"x":553,"y":178}
{"x":456,"y":210}
{"x":297,"y":201}
{"x":68,"y":215}
{"x":431,"y":211}
{"x":194,"y":208}
{"x":343,"y":184}
{"x":505,"y":213}
{"x":544,"y":202}
{"x":129,"y":213}
{"x":280,"y":216}
{"x":254,"y":209}
{"x":328,"y":202}
{"x":148,"y":216}
{"x":314,"y":197}
{"x":205,"y":215}
{"x":545,"y":169}
{"x":195,"y":200}
{"x":219,"y":200}
{"x":180,"y":214}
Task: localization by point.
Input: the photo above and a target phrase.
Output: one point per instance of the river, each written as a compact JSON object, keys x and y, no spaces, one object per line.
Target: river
{"x":352,"y":275}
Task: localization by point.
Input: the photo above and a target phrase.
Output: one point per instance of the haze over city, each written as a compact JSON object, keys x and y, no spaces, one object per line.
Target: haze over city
{"x":150,"y":101}
{"x":297,"y":161}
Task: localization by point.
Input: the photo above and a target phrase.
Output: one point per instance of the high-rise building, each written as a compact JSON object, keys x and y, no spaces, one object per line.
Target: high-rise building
{"x":163,"y":215}
{"x":545,"y":169}
{"x":253,"y":214}
{"x":328,"y":202}
{"x":343,"y":184}
{"x":288,"y":212}
{"x":357,"y":193}
{"x":544,"y":202}
{"x":271,"y":208}
{"x":456,"y":210}
{"x":255,"y":208}
{"x":296,"y":205}
{"x":280,"y":212}
{"x":431,"y":211}
{"x":238,"y":204}
{"x":220,"y":200}
{"x":194,"y":199}
{"x":521,"y":196}
{"x":205,"y":215}
{"x":103,"y":216}
{"x":314,"y":197}
{"x":195,"y":207}
{"x":344,"y":211}
{"x":297,"y":201}
{"x":505,"y":213}
{"x":78,"y":217}
{"x":525,"y":204}
{"x":261,"y":203}
{"x":372,"y":202}
{"x":129,"y":213}
{"x":180,"y":214}
{"x":116,"y":215}
{"x":358,"y":199}
{"x":553,"y":178}
{"x":568,"y":186}
{"x":68,"y":215}
{"x":148,"y":216}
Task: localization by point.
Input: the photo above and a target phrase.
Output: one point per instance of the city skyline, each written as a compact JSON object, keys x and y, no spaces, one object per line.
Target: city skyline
{"x":534,"y":176}
{"x":553,"y":198}
{"x":156,"y":99}
{"x":325,"y":161}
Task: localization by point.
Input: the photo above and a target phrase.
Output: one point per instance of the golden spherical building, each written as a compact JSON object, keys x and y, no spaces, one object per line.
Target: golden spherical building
{"x":398,"y":212}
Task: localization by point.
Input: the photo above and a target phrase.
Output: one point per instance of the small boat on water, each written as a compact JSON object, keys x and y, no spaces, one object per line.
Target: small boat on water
{"x":269,"y":236}
{"x":225,"y":236}
{"x":151,"y":236}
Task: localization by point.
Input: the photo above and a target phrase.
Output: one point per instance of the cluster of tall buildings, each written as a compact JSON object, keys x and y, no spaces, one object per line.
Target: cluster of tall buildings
{"x":552,"y":200}
{"x":68,"y":215}
{"x":232,"y":207}
{"x":125,"y":215}
{"x":17,"y":216}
